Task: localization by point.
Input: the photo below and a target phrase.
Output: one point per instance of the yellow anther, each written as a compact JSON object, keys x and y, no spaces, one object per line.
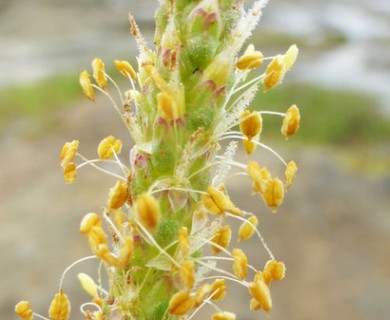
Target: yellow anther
{"x":23,"y":310}
{"x":148,"y":210}
{"x":240,"y":264}
{"x":274,"y":270}
{"x":274,"y":73}
{"x":249,"y":146}
{"x":248,"y":228}
{"x":250,"y":59}
{"x":221,"y":238}
{"x":290,"y":172}
{"x":291,"y":121}
{"x":156,"y":76}
{"x":70,"y":173}
{"x":181,"y":303}
{"x":59,"y":307}
{"x":274,"y":193}
{"x":217,"y":202}
{"x":88,"y":284}
{"x":117,"y":196}
{"x":251,"y":124}
{"x":259,"y":176}
{"x":260,"y":292}
{"x":290,"y":57}
{"x":201,"y":294}
{"x":68,"y":152}
{"x":187,"y":274}
{"x":108,"y":146}
{"x":99,"y":302}
{"x":125,"y":68}
{"x":184,"y":242}
{"x":103,"y":252}
{"x":97,"y":239}
{"x":125,"y":253}
{"x":254,"y":305}
{"x":166,"y":106}
{"x":88,"y":221}
{"x":86,"y":85}
{"x":218,"y":290}
{"x":224,"y":316}
{"x":119,"y":220}
{"x":98,"y":73}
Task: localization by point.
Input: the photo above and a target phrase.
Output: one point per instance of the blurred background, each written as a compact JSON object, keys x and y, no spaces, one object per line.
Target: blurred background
{"x":333,"y":230}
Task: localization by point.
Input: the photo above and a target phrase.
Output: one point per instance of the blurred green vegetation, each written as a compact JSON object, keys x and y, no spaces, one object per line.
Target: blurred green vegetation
{"x":277,"y":41}
{"x":38,"y":98}
{"x":332,"y":117}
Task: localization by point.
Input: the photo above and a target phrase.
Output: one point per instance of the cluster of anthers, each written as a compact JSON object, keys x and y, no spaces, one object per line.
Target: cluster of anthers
{"x":161,"y":220}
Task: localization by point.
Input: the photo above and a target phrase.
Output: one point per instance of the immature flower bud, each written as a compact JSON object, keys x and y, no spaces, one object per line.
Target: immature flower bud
{"x":59,"y":307}
{"x":218,"y":290}
{"x":108,"y":146}
{"x":274,"y":73}
{"x":251,"y":59}
{"x":221,"y":238}
{"x":148,"y":210}
{"x":291,"y":121}
{"x":88,"y":221}
{"x":70,"y":173}
{"x":23,"y":310}
{"x":291,"y":170}
{"x":68,"y":152}
{"x":86,"y":85}
{"x":260,"y":292}
{"x":125,"y":68}
{"x":98,"y":73}
{"x":88,"y":284}
{"x":290,"y":57}
{"x":117,"y":196}
{"x":240,"y":264}
{"x":251,"y":124}
{"x":224,"y":316}
{"x":170,"y":39}
{"x":181,"y":303}
{"x":218,"y":71}
{"x":274,"y":193}
{"x":247,"y":229}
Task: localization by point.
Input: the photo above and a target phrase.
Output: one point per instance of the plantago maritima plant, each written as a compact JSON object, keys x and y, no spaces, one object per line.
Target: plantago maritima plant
{"x":169,"y":201}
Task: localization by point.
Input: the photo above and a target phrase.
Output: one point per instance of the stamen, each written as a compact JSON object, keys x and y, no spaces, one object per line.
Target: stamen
{"x":72,"y":265}
{"x":234,"y":135}
{"x":92,"y":163}
{"x":257,"y":232}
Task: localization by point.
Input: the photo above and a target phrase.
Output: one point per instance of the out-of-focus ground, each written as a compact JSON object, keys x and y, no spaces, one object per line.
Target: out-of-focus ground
{"x":332,"y":230}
